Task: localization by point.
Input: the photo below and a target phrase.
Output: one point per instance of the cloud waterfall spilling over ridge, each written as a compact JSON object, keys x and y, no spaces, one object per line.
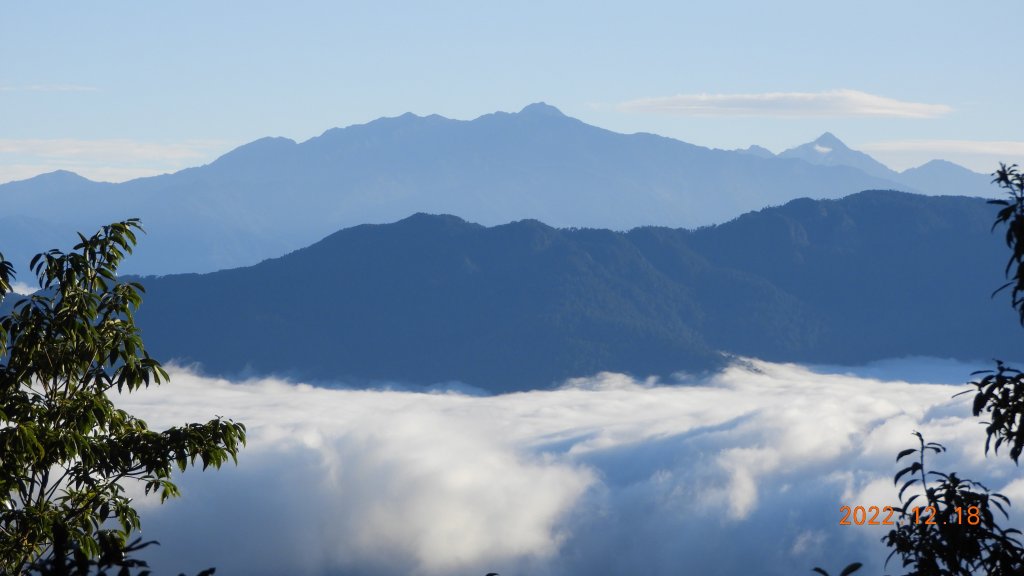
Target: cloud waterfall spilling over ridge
{"x":607,"y":475}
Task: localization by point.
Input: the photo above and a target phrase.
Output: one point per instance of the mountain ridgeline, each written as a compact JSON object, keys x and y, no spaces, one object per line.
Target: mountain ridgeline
{"x":274,"y":195}
{"x":435,"y":299}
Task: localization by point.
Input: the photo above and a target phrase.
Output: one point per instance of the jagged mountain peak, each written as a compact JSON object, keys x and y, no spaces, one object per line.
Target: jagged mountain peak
{"x":946,"y":177}
{"x":261,"y":150}
{"x":541,"y":109}
{"x":830,"y":141}
{"x":60,"y":177}
{"x":51,"y":181}
{"x":759,"y":151}
{"x":828,"y":150}
{"x":434,"y":221}
{"x":939,"y":165}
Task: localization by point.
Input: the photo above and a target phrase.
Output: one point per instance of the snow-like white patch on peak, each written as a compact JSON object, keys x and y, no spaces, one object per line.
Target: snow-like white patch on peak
{"x":822,"y":149}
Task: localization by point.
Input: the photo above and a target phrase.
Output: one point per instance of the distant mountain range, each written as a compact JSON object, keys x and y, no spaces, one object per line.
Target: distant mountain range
{"x":828,"y":150}
{"x":274,"y":195}
{"x":428,"y":299}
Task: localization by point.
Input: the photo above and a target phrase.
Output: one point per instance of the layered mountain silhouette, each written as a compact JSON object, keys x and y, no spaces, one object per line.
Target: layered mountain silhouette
{"x":936,"y":177}
{"x":433,"y":298}
{"x":827,"y":150}
{"x":274,"y":195}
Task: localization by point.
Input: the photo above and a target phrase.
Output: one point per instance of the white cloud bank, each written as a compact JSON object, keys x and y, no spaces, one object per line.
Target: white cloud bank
{"x":832,"y":103}
{"x":742,"y":473}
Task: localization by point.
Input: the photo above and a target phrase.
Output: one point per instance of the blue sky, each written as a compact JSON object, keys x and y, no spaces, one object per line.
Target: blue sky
{"x":115,"y":90}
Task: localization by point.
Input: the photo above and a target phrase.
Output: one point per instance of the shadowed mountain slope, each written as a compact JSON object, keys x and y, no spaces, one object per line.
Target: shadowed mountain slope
{"x":434,"y":299}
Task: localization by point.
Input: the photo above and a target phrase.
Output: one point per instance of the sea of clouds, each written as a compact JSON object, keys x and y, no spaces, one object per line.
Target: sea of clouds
{"x":741,"y":472}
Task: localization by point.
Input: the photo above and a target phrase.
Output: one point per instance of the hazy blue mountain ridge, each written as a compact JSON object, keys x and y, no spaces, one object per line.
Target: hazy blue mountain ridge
{"x":937,"y":177}
{"x":827,"y":150}
{"x":947,"y":178}
{"x":432,"y":299}
{"x":274,"y":195}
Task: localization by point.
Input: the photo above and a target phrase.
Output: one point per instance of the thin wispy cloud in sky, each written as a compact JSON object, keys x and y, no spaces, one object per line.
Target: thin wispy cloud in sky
{"x":114,"y":159}
{"x":604,"y":476}
{"x":23,"y":288}
{"x":1010,"y":149}
{"x":981,"y":156}
{"x":93,"y":150}
{"x":832,"y":103}
{"x":48,"y":88}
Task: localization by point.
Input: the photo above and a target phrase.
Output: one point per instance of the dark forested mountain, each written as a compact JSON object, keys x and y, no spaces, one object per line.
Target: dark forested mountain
{"x":275,"y":195}
{"x":429,"y":299}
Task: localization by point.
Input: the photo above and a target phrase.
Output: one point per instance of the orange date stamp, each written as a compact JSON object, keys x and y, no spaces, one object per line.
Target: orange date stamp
{"x":927,"y":515}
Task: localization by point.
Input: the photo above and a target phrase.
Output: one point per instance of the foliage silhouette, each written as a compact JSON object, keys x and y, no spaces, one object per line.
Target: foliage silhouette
{"x":1000,"y":393}
{"x":850,"y":569}
{"x":953,"y":531}
{"x":114,"y":559}
{"x":1012,"y":215}
{"x":68,"y":452}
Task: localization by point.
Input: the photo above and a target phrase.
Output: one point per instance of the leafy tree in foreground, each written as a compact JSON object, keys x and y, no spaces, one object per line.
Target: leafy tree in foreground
{"x":1000,"y":393}
{"x":66,"y":452}
{"x":953,"y":530}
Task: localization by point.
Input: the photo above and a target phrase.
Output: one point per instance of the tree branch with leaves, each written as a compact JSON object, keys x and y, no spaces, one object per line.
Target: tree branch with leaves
{"x":67,"y":451}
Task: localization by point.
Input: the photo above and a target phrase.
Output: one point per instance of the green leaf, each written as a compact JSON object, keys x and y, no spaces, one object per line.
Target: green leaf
{"x":915,"y":467}
{"x":851,"y":569}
